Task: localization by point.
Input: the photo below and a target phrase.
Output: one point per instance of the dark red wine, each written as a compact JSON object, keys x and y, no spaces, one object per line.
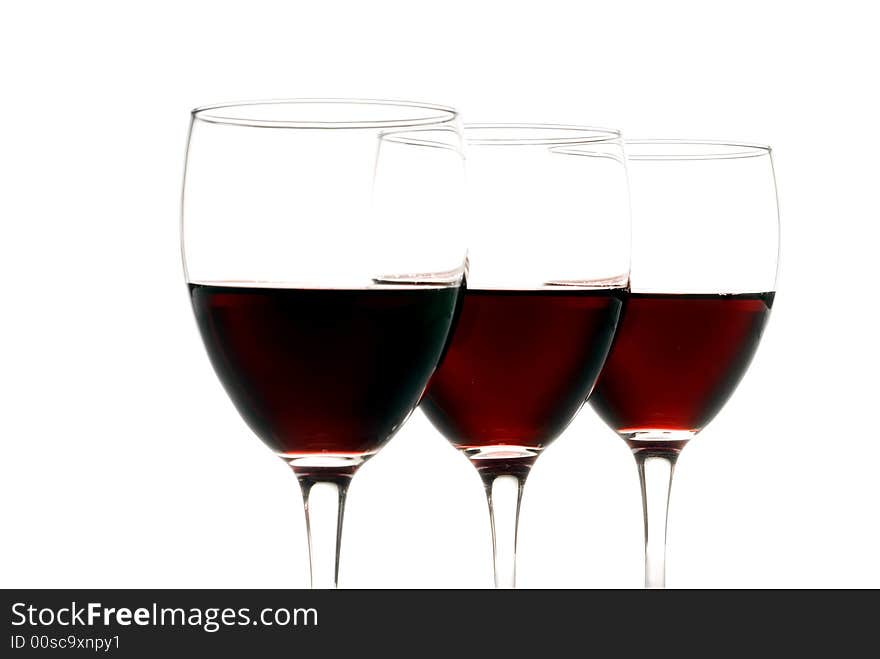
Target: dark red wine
{"x":520,"y":364}
{"x":322,"y":371}
{"x":676,"y":359}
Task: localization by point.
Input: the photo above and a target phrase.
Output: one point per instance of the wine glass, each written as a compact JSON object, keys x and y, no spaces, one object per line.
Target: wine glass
{"x":704,"y":258}
{"x":548,"y":269}
{"x":303,"y":287}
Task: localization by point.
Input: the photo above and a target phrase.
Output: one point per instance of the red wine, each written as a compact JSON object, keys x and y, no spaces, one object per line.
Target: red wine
{"x":676,"y":360}
{"x":519,"y":366}
{"x":323,"y":371}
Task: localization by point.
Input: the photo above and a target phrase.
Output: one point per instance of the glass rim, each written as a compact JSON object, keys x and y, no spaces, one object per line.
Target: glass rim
{"x":422,"y":137}
{"x":517,"y":134}
{"x":554,"y":134}
{"x":687,"y":149}
{"x":235,"y":113}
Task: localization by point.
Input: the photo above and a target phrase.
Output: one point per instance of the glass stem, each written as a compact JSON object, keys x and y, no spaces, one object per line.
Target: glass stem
{"x":324,"y":502}
{"x":504,"y":493}
{"x":655,"y":473}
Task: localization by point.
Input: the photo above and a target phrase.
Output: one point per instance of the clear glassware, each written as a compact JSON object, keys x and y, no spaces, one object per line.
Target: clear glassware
{"x":705,"y":250}
{"x":323,"y":315}
{"x":548,"y":242}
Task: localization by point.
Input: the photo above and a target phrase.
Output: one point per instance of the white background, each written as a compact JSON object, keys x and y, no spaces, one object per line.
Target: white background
{"x":123,"y":462}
